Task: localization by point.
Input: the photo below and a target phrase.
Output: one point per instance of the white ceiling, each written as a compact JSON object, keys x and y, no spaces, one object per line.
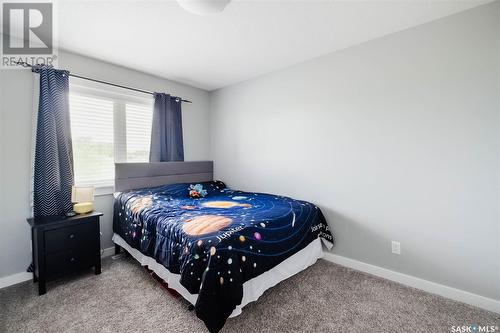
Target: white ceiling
{"x":248,"y":39}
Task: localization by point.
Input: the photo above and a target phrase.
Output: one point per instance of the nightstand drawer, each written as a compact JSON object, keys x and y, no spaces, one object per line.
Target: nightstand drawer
{"x":78,"y":236}
{"x":59,"y":263}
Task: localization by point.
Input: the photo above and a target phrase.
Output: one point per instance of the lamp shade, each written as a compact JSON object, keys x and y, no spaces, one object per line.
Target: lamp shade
{"x":82,"y":194}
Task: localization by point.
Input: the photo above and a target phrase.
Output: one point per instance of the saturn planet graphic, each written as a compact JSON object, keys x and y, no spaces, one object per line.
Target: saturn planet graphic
{"x":205,"y":224}
{"x":224,"y":204}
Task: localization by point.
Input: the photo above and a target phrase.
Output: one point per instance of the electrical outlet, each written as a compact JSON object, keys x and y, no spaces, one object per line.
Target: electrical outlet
{"x":396,"y":247}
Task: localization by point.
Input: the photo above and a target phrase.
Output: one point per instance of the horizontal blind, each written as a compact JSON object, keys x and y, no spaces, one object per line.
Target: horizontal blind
{"x":92,"y":135}
{"x":138,"y":121}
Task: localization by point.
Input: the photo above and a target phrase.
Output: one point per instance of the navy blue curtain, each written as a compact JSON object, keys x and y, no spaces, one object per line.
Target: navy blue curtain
{"x":53,"y":176}
{"x":166,"y":132}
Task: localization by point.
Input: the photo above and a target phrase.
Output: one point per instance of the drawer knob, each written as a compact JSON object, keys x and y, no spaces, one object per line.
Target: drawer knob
{"x":71,"y":236}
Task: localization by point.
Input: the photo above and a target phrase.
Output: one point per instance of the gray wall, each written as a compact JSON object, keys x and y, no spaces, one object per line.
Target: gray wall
{"x":395,"y":139}
{"x":16,"y":88}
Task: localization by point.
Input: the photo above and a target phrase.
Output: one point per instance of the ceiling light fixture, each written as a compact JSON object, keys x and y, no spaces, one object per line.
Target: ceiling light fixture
{"x":203,"y":7}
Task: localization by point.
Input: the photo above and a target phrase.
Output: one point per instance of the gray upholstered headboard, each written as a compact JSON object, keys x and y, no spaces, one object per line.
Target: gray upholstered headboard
{"x":130,"y":176}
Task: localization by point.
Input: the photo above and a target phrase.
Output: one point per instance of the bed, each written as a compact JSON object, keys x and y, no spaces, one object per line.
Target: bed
{"x":221,"y":251}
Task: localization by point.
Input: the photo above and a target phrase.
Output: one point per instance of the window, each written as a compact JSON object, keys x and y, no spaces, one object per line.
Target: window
{"x":138,"y":121}
{"x":107,"y":126}
{"x":93,"y":138}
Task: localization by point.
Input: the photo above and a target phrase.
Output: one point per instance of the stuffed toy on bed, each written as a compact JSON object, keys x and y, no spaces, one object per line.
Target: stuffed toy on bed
{"x":197,"y":191}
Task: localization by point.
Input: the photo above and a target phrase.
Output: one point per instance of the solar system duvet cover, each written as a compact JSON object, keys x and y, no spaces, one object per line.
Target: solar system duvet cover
{"x":218,"y":242}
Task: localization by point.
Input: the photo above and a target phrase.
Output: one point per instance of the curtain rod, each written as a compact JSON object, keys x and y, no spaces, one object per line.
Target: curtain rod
{"x":25,"y":64}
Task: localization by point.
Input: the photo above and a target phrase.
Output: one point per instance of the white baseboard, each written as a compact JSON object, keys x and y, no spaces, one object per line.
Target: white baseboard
{"x":428,"y":286}
{"x":108,"y":252}
{"x":15,"y":279}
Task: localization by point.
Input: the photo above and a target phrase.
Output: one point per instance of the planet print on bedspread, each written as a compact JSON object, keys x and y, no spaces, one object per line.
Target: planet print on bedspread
{"x":225,"y":204}
{"x":140,"y":203}
{"x":205,"y":224}
{"x":219,"y":242}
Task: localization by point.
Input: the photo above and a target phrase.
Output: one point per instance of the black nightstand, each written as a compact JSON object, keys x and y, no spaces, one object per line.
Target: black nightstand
{"x":64,"y":244}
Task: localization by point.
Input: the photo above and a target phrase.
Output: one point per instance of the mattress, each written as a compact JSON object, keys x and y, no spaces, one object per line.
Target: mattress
{"x":214,"y":245}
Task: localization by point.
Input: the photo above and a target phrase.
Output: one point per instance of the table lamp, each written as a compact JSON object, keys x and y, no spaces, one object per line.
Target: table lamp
{"x":82,"y":197}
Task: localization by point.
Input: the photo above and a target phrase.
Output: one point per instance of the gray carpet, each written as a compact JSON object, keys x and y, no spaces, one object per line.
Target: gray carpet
{"x":324,"y":298}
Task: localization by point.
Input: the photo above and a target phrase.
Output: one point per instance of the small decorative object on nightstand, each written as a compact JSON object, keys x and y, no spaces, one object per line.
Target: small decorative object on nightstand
{"x":61,"y":245}
{"x":83,"y":198}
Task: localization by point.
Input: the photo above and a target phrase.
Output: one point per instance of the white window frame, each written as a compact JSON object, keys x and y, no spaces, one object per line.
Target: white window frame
{"x":120,"y":98}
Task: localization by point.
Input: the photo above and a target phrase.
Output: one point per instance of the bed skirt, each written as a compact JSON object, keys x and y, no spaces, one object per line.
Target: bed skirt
{"x":252,"y":289}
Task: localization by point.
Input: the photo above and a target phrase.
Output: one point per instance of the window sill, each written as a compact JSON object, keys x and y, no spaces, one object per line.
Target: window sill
{"x":104,"y":191}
